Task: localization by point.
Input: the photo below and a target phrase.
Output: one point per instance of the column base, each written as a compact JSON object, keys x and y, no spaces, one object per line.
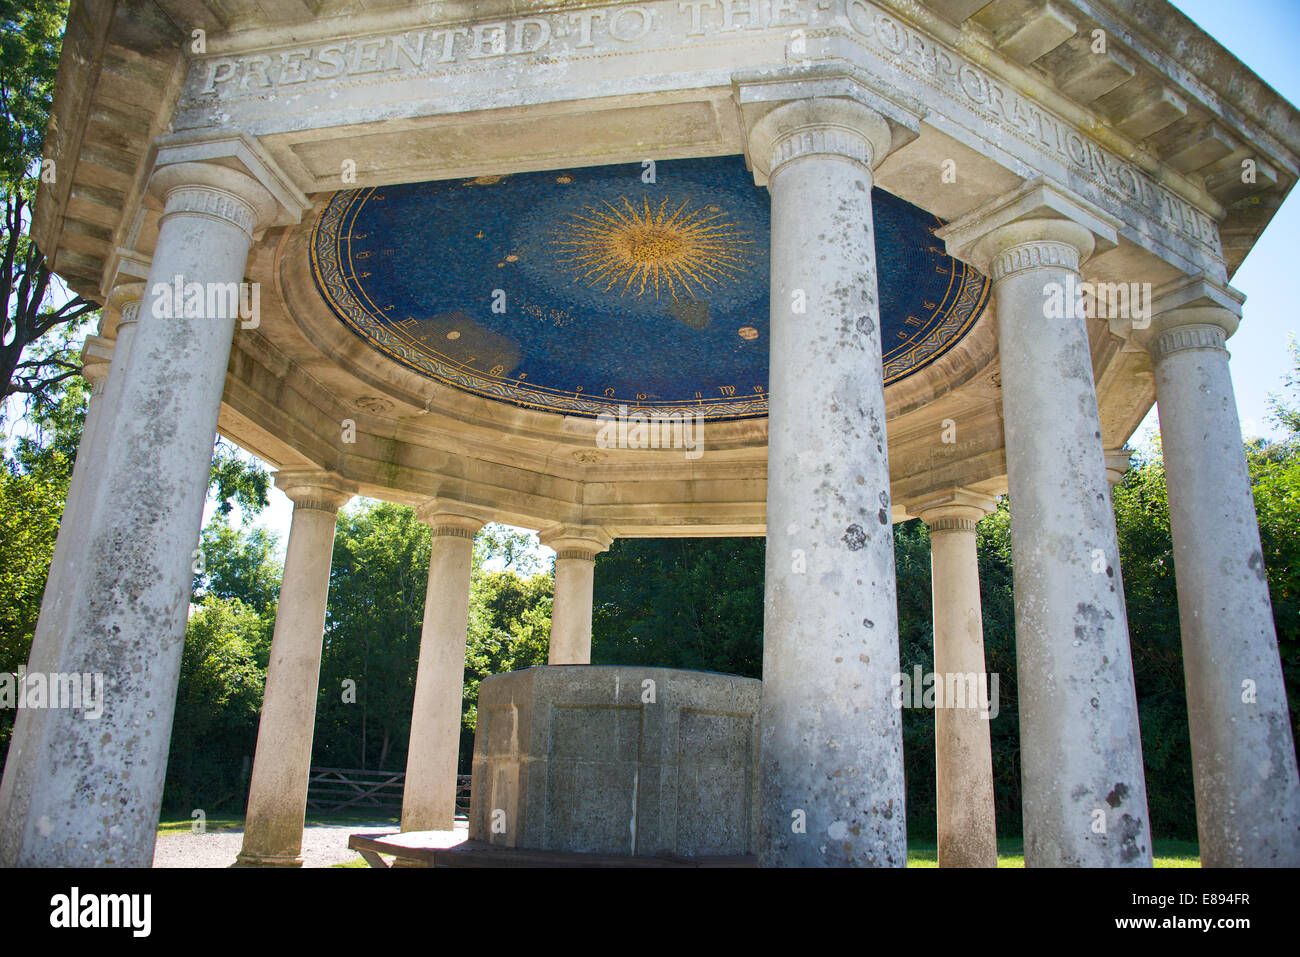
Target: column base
{"x":427,"y":824}
{"x":253,"y":860}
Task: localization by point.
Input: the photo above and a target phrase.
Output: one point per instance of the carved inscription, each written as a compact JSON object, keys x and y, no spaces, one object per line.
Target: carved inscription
{"x":636,"y":27}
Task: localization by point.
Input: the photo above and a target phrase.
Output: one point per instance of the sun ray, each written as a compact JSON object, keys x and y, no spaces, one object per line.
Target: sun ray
{"x":641,"y":249}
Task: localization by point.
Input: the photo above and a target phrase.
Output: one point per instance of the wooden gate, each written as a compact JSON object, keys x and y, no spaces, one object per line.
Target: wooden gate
{"x":339,"y":789}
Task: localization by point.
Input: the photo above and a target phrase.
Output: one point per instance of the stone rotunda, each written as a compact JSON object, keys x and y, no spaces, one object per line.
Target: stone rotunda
{"x":793,"y":268}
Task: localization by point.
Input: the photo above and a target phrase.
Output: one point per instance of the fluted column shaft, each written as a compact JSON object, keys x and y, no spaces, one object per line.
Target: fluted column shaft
{"x":429,"y":795}
{"x":277,"y":792}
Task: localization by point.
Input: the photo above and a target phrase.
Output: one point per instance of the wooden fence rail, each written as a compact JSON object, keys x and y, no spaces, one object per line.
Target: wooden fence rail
{"x":338,"y":789}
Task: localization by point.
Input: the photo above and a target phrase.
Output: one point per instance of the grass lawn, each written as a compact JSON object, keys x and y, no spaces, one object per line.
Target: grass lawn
{"x":175,"y":824}
{"x":1011,"y":853}
{"x":178,"y":824}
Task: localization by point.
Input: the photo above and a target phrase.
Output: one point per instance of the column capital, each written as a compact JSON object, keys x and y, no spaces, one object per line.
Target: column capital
{"x":1192,"y":312}
{"x":455,"y":519}
{"x":1118,"y":462}
{"x":323,"y":491}
{"x":575,"y":541}
{"x":954,"y":509}
{"x":1037,"y":224}
{"x":846,"y":99}
{"x":260,"y":183}
{"x":124,"y":266}
{"x":836,"y":126}
{"x":125,"y":299}
{"x":214,"y":192}
{"x":96,"y":360}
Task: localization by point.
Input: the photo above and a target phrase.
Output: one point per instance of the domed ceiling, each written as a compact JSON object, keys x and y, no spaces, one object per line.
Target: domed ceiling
{"x":583,"y":290}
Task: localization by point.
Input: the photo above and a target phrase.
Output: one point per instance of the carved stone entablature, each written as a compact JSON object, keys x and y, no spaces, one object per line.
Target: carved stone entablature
{"x":347,"y":81}
{"x":1171,"y":141}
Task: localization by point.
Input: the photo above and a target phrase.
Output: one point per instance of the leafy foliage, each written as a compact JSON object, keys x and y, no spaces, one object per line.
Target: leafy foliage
{"x":33,"y":488}
{"x":214,"y":731}
{"x":681,"y":603}
{"x":372,"y":636}
{"x":39,"y":321}
{"x":31,"y":34}
{"x":240,"y":565}
{"x":237,"y":479}
{"x":509,"y":629}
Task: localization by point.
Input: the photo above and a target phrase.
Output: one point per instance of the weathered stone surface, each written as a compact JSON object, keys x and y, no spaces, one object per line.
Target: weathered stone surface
{"x":277,"y":794}
{"x":967,"y":832}
{"x":617,"y":760}
{"x":1151,"y":129}
{"x":1243,"y":755}
{"x":832,"y":780}
{"x":429,"y":795}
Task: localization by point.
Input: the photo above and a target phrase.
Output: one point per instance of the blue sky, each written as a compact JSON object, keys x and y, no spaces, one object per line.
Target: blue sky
{"x":1263,"y":34}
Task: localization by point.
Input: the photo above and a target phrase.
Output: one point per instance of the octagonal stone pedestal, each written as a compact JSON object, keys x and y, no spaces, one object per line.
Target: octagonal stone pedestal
{"x":617,"y":760}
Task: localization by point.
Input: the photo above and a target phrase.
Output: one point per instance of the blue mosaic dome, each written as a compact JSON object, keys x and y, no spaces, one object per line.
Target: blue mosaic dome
{"x":579,"y":291}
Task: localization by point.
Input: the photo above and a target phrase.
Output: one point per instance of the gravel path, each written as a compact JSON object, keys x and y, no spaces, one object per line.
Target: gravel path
{"x":323,"y":845}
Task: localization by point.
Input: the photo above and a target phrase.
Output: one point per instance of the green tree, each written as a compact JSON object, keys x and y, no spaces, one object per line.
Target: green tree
{"x":218,"y":699}
{"x":223,"y":667}
{"x":237,"y":479}
{"x":916,"y":648}
{"x":1275,"y":478}
{"x":515,"y":550}
{"x":33,"y":487}
{"x":240,"y":563}
{"x":999,"y":620}
{"x":509,"y":629}
{"x":681,"y":603}
{"x":40,"y":318}
{"x":372,"y":637}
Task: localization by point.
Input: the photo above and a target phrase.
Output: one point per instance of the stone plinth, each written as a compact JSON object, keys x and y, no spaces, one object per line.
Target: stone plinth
{"x":617,"y":760}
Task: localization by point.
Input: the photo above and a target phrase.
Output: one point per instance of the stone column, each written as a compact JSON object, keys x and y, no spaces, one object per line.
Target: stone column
{"x":429,"y":795}
{"x":1084,"y":789}
{"x":94,"y":788}
{"x":277,"y":792}
{"x":126,"y":300}
{"x":104,"y":362}
{"x":97,"y":357}
{"x":1243,"y":757}
{"x":1118,"y":462}
{"x":576,"y":549}
{"x":831,"y":778}
{"x":963,"y":754}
